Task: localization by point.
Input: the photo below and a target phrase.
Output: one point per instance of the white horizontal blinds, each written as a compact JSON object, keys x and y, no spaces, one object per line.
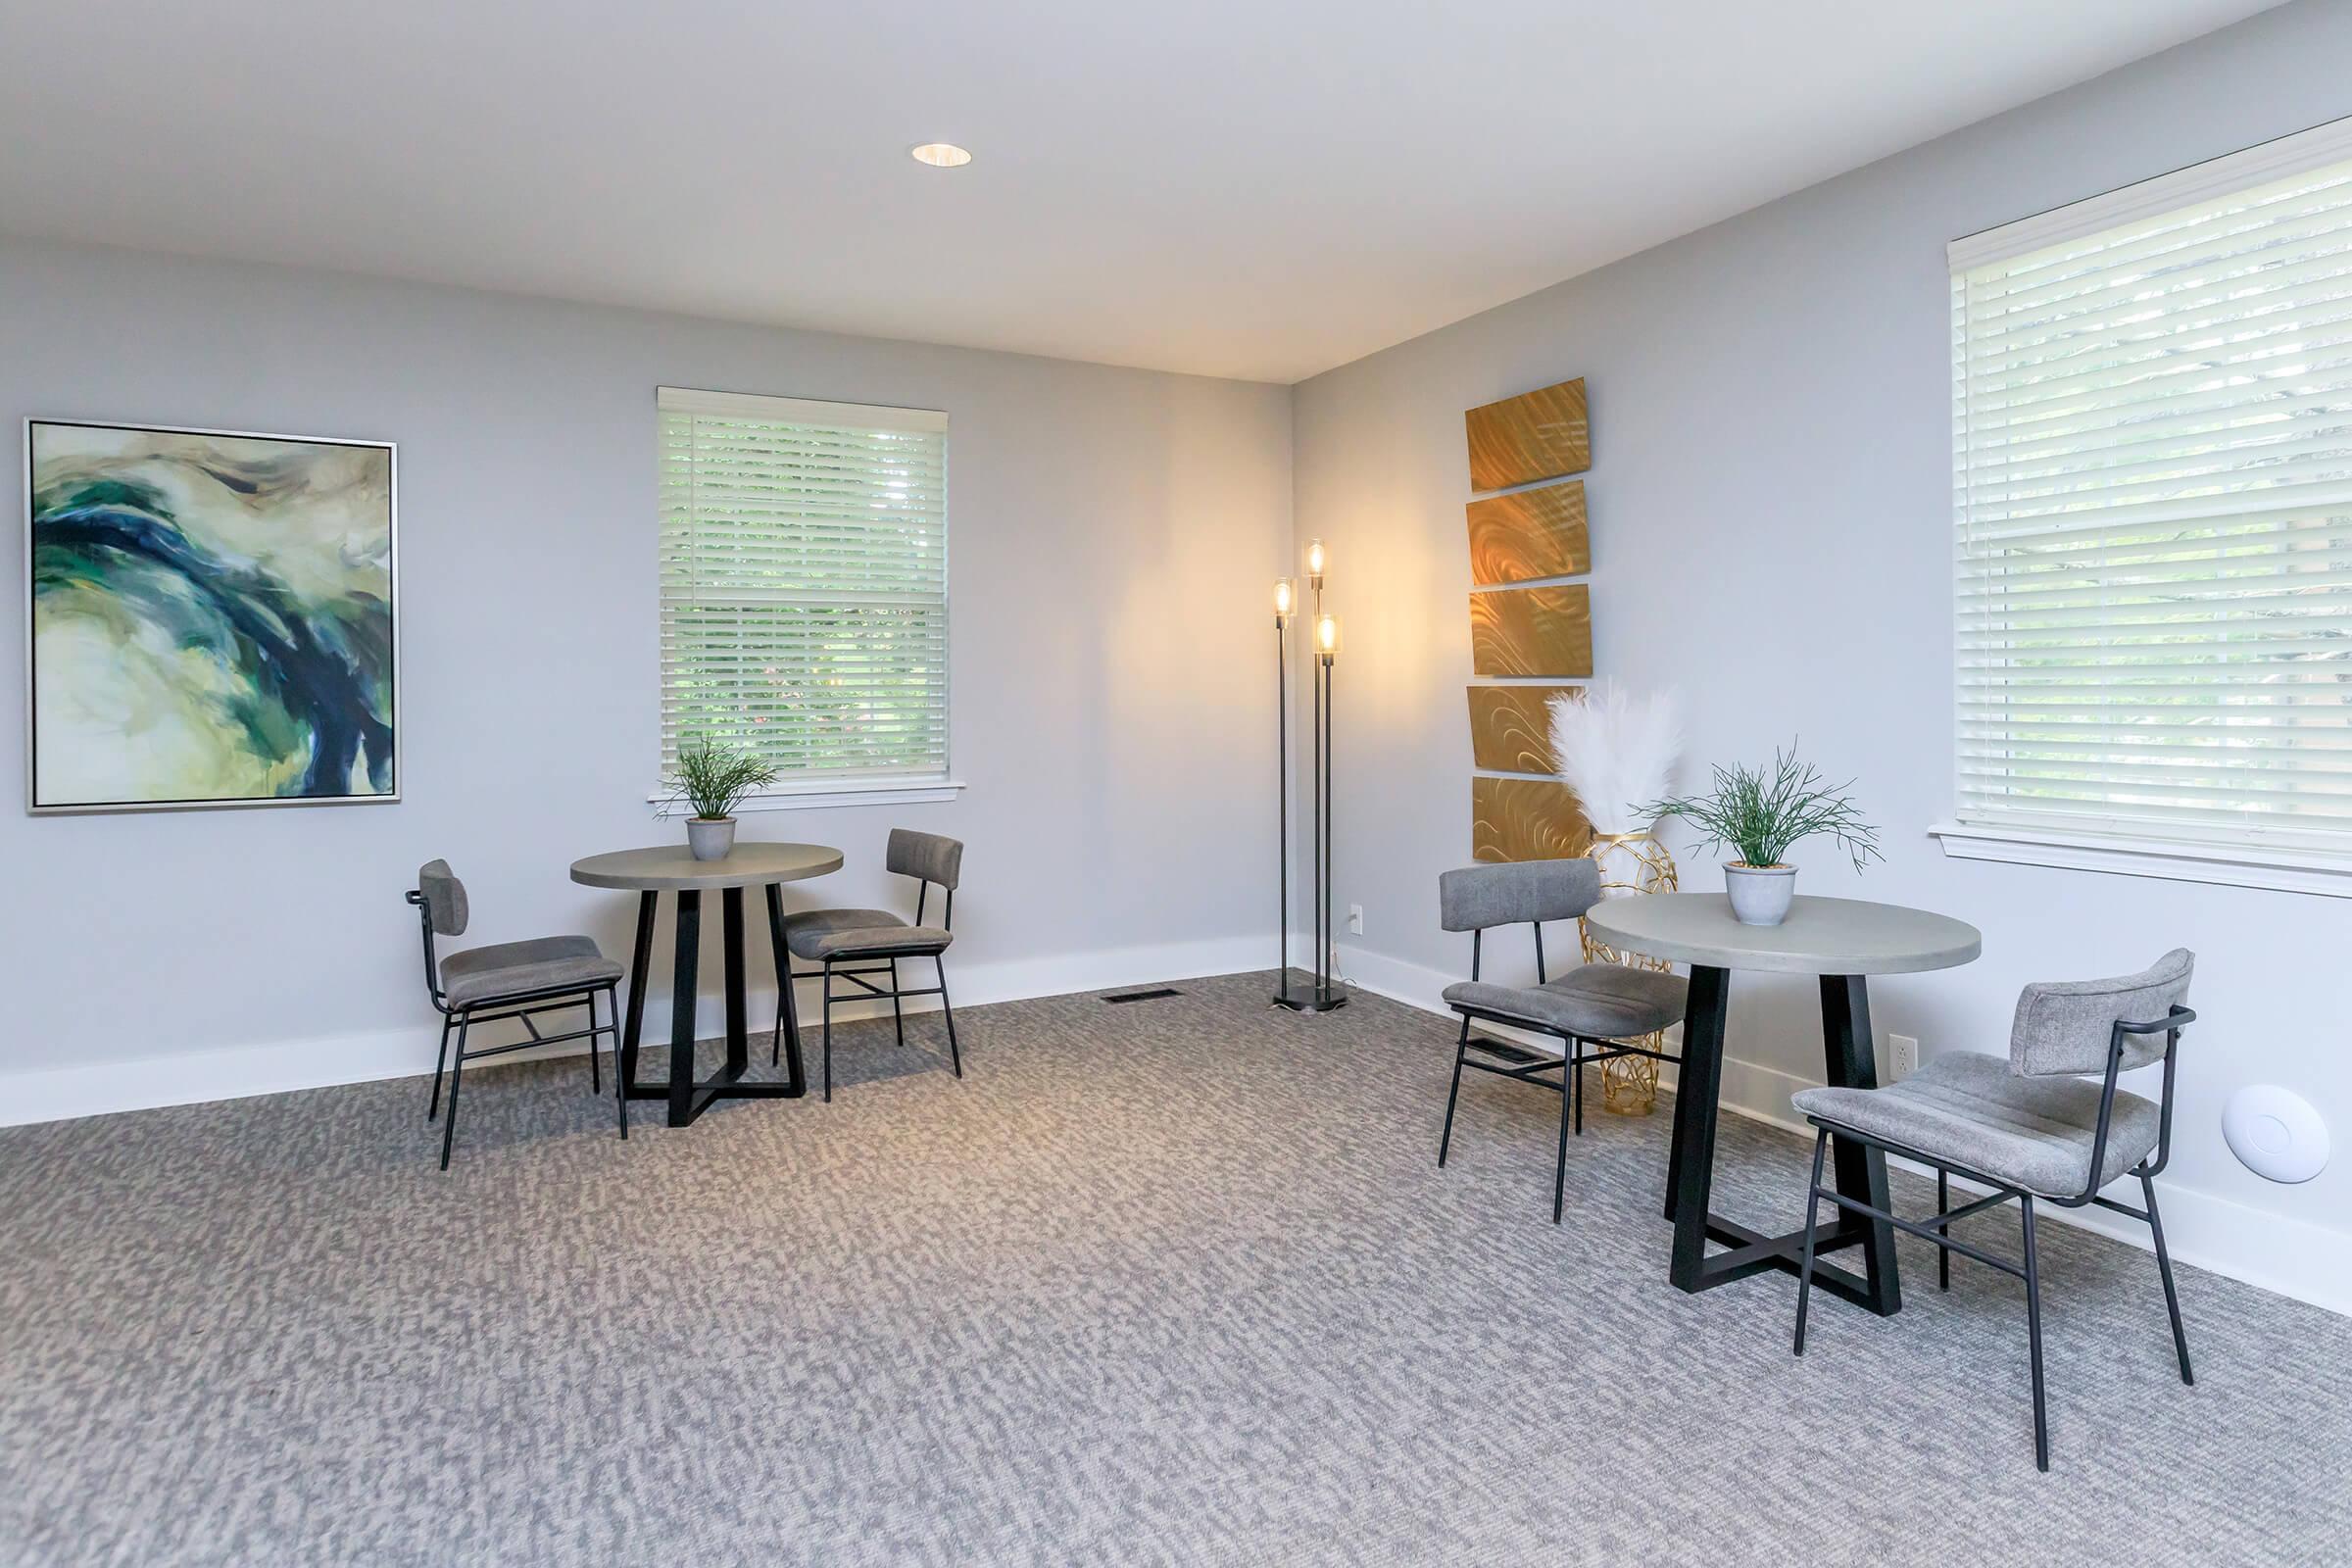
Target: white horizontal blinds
{"x":805,"y":584}
{"x":2153,"y":458}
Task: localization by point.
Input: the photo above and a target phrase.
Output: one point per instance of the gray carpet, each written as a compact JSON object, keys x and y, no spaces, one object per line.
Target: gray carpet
{"x":1169,"y":1283}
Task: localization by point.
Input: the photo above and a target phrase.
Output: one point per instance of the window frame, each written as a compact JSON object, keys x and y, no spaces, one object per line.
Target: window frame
{"x":790,"y":793}
{"x":2227,"y":860}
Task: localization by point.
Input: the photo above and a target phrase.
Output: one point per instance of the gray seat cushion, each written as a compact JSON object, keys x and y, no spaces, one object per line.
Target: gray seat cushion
{"x":1970,"y":1110}
{"x":821,"y":934}
{"x":1597,"y":1001}
{"x":517,"y":968}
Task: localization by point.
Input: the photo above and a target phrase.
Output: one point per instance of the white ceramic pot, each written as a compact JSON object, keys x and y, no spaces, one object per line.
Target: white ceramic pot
{"x":1760,"y":893}
{"x":710,"y":839}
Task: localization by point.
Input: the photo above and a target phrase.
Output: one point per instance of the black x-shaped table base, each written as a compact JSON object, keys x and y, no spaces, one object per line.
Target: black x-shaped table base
{"x":1690,"y":1167}
{"x":688,"y":1095}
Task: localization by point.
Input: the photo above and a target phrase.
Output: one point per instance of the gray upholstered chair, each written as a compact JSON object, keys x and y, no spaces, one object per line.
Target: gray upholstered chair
{"x":518,"y":980}
{"x":2033,"y":1128}
{"x":1601,"y":1006}
{"x":857,"y":945}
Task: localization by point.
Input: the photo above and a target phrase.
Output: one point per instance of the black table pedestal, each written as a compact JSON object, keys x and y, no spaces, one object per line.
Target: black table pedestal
{"x":1690,"y":1167}
{"x":688,"y":1095}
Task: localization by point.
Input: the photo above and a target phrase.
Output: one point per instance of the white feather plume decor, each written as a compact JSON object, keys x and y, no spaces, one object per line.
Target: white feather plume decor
{"x":1616,"y":751}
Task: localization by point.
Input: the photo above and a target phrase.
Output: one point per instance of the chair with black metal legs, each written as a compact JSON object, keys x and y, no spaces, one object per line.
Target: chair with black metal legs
{"x":2035,"y":1128}
{"x":1596,"y":1010}
{"x":508,"y":980}
{"x":837,"y":940}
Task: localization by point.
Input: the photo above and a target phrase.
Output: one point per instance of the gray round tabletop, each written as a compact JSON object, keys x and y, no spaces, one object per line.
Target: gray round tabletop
{"x":672,"y":868}
{"x":1821,"y":936}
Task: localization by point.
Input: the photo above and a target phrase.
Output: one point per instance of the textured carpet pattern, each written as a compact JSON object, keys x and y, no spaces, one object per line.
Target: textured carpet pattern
{"x":1168,"y":1283}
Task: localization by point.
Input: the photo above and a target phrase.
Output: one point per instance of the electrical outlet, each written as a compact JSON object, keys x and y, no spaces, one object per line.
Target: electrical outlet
{"x":1355,"y":919}
{"x":1902,"y":1057}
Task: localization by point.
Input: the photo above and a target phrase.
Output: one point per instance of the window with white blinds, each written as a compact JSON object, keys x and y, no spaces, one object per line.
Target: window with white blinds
{"x":804,"y":585}
{"x":2153,"y":471}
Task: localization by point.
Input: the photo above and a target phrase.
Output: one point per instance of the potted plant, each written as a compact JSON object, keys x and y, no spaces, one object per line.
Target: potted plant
{"x":1762,"y":811}
{"x":712,"y":778}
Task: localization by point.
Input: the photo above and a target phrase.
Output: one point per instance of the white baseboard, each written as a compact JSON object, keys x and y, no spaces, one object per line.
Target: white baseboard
{"x":2270,"y":1252}
{"x":2274,"y":1253}
{"x":238,"y":1072}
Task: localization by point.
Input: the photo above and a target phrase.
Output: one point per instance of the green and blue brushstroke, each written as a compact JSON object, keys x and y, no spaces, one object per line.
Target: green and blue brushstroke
{"x":312,"y":681}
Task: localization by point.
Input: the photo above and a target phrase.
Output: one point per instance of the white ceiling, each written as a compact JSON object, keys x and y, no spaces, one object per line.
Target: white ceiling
{"x":1258,"y":188}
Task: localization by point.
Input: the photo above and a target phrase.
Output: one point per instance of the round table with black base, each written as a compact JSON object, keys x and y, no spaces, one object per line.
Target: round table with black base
{"x":1841,"y":941}
{"x":672,"y":869}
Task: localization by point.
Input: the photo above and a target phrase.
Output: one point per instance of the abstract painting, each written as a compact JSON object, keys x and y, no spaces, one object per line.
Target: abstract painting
{"x":212,"y":619}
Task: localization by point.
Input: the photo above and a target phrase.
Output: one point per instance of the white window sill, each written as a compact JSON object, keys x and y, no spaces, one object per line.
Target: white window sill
{"x":822,"y":794}
{"x":2243,"y":866}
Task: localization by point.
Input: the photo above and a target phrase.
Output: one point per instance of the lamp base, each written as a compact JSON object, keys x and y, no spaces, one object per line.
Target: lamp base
{"x":1300,"y":994}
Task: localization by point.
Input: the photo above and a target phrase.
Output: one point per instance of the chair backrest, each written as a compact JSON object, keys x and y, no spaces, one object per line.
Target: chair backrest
{"x":2068,"y":1026}
{"x":926,"y":857}
{"x":1473,"y":898}
{"x":444,"y":898}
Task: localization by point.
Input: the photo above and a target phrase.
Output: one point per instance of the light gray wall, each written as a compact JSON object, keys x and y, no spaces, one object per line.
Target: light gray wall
{"x":1772,"y":536}
{"x":1112,"y":535}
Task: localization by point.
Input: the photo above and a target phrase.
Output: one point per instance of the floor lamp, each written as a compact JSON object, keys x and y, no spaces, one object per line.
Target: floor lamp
{"x":1318,"y":993}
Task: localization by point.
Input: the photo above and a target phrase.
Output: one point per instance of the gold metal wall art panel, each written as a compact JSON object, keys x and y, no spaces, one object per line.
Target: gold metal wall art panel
{"x":1537,"y":435}
{"x":1529,"y":534}
{"x":1525,"y":819}
{"x":1532,"y":631}
{"x":1510,"y":727}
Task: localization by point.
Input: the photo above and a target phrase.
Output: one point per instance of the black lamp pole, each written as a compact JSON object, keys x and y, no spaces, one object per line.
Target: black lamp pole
{"x":1282,"y":793}
{"x":1322,"y":998}
{"x":1323,"y":932}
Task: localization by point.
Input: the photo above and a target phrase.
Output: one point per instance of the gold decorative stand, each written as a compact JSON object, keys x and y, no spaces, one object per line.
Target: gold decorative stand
{"x":1630,"y":863}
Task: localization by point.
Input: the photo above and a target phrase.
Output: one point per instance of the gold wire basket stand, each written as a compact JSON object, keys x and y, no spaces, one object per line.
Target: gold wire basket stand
{"x":1630,"y":863}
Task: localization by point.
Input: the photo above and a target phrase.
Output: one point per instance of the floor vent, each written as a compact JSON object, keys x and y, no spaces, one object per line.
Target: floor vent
{"x":1144,"y":996}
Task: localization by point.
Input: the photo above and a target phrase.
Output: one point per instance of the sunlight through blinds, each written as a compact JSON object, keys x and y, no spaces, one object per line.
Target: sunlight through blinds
{"x":2153,"y":480}
{"x":805,"y":584}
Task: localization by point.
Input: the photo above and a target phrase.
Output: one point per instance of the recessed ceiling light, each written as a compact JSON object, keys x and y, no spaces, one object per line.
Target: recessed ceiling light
{"x":941,"y":155}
